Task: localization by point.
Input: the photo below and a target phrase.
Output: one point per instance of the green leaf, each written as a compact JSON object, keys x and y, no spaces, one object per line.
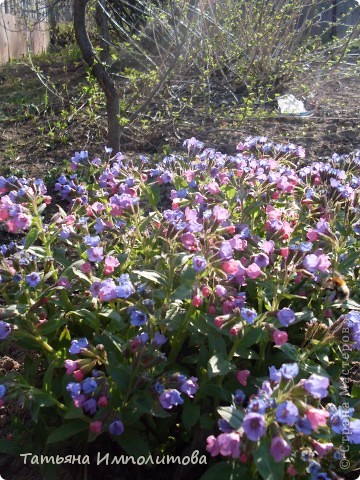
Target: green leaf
{"x":265,"y":464}
{"x":290,"y":351}
{"x":79,"y":274}
{"x":190,"y":414}
{"x":66,"y":431}
{"x":218,"y":365}
{"x":31,"y":237}
{"x":152,"y":276}
{"x":120,"y":374}
{"x":9,"y":447}
{"x":87,"y":317}
{"x":232,"y":416}
{"x":350,"y":260}
{"x":133,"y":443}
{"x":228,"y":471}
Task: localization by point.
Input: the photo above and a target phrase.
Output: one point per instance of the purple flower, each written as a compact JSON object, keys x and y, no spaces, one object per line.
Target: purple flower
{"x":248,"y":315}
{"x":5,"y":329}
{"x":116,"y":427}
{"x":289,"y":370}
{"x":229,"y":444}
{"x":78,"y":345}
{"x":339,"y":418}
{"x":220,"y":291}
{"x":138,"y":318}
{"x":220,"y":214}
{"x":90,"y":406}
{"x":279,"y":449}
{"x":169,"y":398}
{"x":92,"y":241}
{"x":226,"y":250}
{"x":199,"y":263}
{"x":254,"y":426}
{"x":261,"y":260}
{"x":108,"y":290}
{"x":256,"y":405}
{"x":239,"y":397}
{"x":275,"y":375}
{"x":89,"y":385}
{"x":317,"y":386}
{"x":354,"y":435}
{"x":95,"y":254}
{"x":33,"y":279}
{"x":125,"y":288}
{"x":287,"y":412}
{"x":74,"y":389}
{"x":159,"y":339}
{"x":224,"y":426}
{"x":286,"y":316}
{"x":190,"y":386}
{"x":311,"y":262}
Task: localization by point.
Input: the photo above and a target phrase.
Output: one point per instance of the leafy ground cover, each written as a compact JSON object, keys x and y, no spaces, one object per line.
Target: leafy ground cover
{"x":216,"y":325}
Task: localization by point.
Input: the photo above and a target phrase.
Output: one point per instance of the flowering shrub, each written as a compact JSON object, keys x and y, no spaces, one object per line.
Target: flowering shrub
{"x":147,"y":319}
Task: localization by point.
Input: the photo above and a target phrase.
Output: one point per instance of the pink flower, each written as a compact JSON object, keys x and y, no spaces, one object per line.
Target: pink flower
{"x":253,"y":271}
{"x":220,"y":214}
{"x":110,"y":264}
{"x":63,"y":282}
{"x":86,"y":268}
{"x":71,"y":366}
{"x":96,"y":426}
{"x":197,"y":301}
{"x":324,"y":263}
{"x":317,"y":417}
{"x":292,"y":471}
{"x":232,"y":267}
{"x":212,"y":446}
{"x":227,"y":307}
{"x":268,"y":246}
{"x":242,"y":376}
{"x":188,"y":240}
{"x":322,"y":448}
{"x":213,"y":188}
{"x":273,"y":213}
{"x":238,"y":243}
{"x":229,"y":444}
{"x":78,"y":375}
{"x":312,"y":235}
{"x":205,"y":290}
{"x":279,"y":337}
{"x":236,"y":329}
{"x":103,"y":401}
{"x":284,"y":252}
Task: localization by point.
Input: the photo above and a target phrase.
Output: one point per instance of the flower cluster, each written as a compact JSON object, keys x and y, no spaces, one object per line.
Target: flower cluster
{"x":153,"y":303}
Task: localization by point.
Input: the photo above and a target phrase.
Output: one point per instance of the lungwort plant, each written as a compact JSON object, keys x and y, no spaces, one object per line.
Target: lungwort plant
{"x":209,"y":320}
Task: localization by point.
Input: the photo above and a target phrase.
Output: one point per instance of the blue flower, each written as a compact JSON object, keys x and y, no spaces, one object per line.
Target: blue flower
{"x":125,"y":288}
{"x":78,"y":345}
{"x":286,"y":316}
{"x":289,"y":370}
{"x":116,"y":427}
{"x":138,"y":318}
{"x":169,"y":398}
{"x":2,"y":391}
{"x":239,"y":397}
{"x":254,"y":426}
{"x":5,"y":329}
{"x":89,"y":385}
{"x":199,"y":263}
{"x":317,"y":386}
{"x":33,"y":279}
{"x":287,"y":412}
{"x":303,"y":425}
{"x":74,"y":389}
{"x":248,"y":315}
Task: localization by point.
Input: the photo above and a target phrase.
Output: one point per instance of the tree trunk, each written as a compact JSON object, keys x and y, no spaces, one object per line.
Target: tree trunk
{"x":100,"y":73}
{"x":102,"y":23}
